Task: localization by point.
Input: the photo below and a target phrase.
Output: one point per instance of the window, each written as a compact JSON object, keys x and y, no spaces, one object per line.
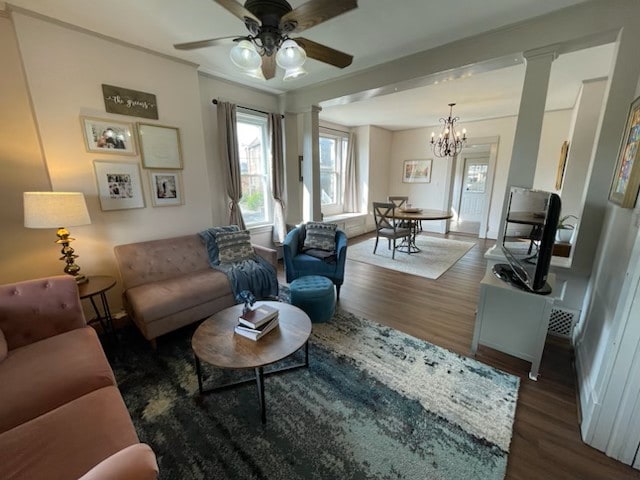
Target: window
{"x":333,"y":153}
{"x":255,"y":169}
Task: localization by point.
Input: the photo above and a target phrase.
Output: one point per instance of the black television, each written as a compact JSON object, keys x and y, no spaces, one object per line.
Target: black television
{"x":528,"y":238}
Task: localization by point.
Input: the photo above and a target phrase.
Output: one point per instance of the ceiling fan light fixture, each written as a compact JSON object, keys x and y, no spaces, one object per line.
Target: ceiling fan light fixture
{"x":257,"y":73}
{"x":245,"y":56}
{"x":290,"y":55}
{"x":293,"y":73}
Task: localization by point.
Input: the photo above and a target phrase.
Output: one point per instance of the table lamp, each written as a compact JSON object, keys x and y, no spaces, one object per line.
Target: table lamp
{"x":53,"y":209}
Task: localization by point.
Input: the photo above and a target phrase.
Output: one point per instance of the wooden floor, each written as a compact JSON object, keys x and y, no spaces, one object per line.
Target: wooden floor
{"x":546,"y":441}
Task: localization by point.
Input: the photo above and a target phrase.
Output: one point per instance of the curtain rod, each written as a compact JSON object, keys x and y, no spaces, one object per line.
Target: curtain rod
{"x":215,"y":102}
{"x":334,"y":129}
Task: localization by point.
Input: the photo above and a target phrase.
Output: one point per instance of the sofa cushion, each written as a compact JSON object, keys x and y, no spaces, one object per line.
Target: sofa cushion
{"x":41,"y":376}
{"x":209,"y":237}
{"x":137,"y":462}
{"x":157,"y":260}
{"x":235,"y":246}
{"x":66,"y":442}
{"x":156,"y":300}
{"x":3,"y":347}
{"x":320,"y":236}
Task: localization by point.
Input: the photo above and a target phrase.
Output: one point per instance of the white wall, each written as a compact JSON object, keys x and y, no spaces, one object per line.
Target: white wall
{"x":413,"y":144}
{"x":380,"y":141}
{"x":555,"y":130}
{"x":600,"y":333}
{"x":23,"y":169}
{"x":65,"y":68}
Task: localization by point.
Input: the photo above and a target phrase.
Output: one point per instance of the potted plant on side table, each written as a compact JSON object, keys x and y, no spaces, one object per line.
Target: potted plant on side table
{"x":565,"y":230}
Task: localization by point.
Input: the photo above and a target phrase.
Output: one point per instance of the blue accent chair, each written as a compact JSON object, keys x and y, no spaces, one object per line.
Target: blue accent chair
{"x":297,"y":264}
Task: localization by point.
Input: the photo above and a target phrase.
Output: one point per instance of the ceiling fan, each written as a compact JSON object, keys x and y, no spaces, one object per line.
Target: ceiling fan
{"x":269,"y":23}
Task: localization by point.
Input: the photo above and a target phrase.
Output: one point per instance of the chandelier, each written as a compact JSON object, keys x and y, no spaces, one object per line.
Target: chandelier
{"x":449,"y":143}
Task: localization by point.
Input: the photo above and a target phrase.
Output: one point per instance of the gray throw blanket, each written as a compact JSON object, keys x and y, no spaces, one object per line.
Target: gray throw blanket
{"x":256,"y":274}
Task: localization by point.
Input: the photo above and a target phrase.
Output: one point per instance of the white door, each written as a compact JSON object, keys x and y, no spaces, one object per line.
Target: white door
{"x":474,"y":189}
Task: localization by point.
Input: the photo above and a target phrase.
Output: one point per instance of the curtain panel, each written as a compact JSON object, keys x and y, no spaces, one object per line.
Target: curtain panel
{"x":228,"y":136}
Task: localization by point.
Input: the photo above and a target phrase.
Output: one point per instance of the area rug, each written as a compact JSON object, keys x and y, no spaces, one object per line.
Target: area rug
{"x":437,"y":255}
{"x":373,"y":404}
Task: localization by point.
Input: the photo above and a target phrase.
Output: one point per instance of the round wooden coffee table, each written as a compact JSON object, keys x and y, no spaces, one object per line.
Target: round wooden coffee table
{"x":215,"y":343}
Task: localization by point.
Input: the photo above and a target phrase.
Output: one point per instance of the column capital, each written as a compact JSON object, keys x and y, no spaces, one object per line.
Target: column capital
{"x":548,"y":50}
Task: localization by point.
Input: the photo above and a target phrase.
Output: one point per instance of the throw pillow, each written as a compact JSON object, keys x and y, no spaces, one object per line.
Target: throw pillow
{"x":4,"y":349}
{"x":235,"y":246}
{"x":209,"y":237}
{"x":320,"y":236}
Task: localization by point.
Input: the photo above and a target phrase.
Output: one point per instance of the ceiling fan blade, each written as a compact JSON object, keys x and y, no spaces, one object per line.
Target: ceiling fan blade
{"x":324,"y":54}
{"x":314,"y":12}
{"x":205,"y":43}
{"x":238,"y":10}
{"x":269,"y":66}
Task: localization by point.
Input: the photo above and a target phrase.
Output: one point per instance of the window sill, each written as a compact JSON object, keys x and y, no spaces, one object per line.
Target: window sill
{"x":342,"y":216}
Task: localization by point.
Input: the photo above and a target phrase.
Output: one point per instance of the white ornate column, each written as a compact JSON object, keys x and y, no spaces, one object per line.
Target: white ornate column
{"x":311,"y":165}
{"x":526,"y":141}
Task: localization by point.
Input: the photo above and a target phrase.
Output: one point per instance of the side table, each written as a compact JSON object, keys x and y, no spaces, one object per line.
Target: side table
{"x":97,"y":286}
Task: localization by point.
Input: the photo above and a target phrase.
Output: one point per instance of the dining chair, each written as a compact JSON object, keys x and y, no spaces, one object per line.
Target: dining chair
{"x":383,"y":214}
{"x":400,"y":201}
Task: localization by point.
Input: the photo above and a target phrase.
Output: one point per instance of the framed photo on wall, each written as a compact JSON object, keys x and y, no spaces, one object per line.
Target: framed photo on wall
{"x":119,"y":185}
{"x":166,"y":188}
{"x":626,"y":181}
{"x":562,"y":164}
{"x":416,"y":171}
{"x":160,"y":146}
{"x":108,"y":136}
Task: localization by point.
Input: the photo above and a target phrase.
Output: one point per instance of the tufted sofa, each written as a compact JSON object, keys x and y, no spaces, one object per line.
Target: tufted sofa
{"x":169,"y":284}
{"x":61,"y":414}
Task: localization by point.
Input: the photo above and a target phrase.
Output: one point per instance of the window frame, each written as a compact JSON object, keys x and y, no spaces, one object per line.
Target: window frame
{"x":246,"y":117}
{"x":342,"y":144}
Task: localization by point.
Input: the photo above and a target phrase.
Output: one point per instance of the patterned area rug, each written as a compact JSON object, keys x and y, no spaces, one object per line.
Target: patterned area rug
{"x":373,"y":404}
{"x":437,"y":255}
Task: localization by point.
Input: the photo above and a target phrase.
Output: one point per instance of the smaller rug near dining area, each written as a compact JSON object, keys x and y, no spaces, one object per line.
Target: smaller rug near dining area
{"x":437,"y":255}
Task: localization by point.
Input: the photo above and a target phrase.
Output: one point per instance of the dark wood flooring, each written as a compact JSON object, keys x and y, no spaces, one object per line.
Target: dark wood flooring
{"x":546,"y":441}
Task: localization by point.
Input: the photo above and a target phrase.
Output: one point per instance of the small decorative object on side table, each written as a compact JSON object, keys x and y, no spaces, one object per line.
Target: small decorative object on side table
{"x":97,"y":285}
{"x":248,"y":298}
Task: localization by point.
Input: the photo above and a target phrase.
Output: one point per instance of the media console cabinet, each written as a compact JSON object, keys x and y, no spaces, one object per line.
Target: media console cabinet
{"x":512,"y":320}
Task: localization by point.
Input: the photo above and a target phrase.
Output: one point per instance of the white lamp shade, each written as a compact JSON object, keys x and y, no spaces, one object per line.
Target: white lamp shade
{"x":55,"y":209}
{"x":245,"y":56}
{"x":290,"y":55}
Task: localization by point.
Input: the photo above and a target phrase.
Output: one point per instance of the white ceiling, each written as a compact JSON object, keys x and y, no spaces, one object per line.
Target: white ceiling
{"x":376,"y":32}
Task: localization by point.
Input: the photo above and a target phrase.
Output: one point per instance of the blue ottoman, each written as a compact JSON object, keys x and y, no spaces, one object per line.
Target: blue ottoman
{"x":315,"y":296}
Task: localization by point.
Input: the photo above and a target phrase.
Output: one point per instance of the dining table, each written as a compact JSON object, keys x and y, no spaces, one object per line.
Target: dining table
{"x":413,"y":216}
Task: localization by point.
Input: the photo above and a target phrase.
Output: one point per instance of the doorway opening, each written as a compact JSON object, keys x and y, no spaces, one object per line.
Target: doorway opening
{"x":472,"y":187}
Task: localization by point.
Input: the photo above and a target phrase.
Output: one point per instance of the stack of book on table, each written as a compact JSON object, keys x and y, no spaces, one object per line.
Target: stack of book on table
{"x":256,"y":323}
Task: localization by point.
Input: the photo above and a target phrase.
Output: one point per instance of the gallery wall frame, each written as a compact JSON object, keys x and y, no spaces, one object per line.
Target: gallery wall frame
{"x":119,"y":185}
{"x":417,"y":171}
{"x":166,"y":188}
{"x":160,"y":146}
{"x":104,"y":135}
{"x":626,"y":180}
{"x":562,"y":164}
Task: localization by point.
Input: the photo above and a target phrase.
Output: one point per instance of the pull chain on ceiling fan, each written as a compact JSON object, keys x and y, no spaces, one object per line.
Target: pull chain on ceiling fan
{"x":268,"y":44}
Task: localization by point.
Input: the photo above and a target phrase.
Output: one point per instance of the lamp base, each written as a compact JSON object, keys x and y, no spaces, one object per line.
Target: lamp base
{"x":81,"y":279}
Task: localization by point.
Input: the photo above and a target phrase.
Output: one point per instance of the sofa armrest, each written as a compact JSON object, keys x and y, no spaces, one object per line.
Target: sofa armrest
{"x":136,"y":462}
{"x":37,"y":309}
{"x":269,"y":254}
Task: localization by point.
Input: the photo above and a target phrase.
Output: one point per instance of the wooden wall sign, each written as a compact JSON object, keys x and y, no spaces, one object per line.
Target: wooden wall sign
{"x":129,"y":102}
